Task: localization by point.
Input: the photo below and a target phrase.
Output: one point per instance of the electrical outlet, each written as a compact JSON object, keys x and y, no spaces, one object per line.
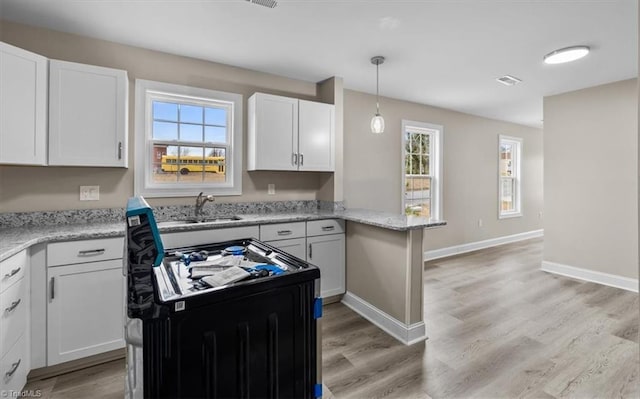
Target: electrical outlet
{"x":540,"y":215}
{"x":89,"y":193}
{"x":271,"y":189}
{"x":479,"y":222}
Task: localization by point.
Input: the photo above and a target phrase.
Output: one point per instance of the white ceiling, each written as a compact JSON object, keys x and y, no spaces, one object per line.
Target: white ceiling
{"x":441,"y":53}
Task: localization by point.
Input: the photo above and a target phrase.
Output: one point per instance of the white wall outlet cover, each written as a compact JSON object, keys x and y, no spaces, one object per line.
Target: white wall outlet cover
{"x":271,"y":189}
{"x":89,"y":193}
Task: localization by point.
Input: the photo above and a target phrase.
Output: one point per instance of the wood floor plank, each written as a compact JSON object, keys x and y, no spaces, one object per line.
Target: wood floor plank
{"x":498,"y":327}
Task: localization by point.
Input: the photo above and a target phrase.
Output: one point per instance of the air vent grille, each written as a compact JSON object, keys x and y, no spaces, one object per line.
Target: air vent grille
{"x":265,"y":3}
{"x":509,"y":80}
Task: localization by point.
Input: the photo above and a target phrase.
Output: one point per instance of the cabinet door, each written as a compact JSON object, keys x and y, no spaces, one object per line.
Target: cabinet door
{"x":316,"y":136}
{"x":328,"y":253}
{"x":273,"y":133}
{"x":294,"y":247}
{"x":87,"y":115}
{"x":23,"y":106}
{"x":85,"y":313}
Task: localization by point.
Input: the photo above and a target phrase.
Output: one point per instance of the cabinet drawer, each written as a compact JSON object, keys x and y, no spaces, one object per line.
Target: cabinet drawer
{"x":12,"y":269}
{"x":70,"y":252}
{"x":323,"y":227}
{"x":282,"y":231}
{"x":14,"y":367}
{"x":199,"y":237}
{"x":13,"y":315}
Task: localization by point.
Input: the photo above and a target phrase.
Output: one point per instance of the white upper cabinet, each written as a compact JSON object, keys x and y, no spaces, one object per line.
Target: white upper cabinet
{"x":88,"y":107}
{"x":273,"y":132}
{"x":290,"y":134}
{"x":23,"y":107}
{"x":316,"y":136}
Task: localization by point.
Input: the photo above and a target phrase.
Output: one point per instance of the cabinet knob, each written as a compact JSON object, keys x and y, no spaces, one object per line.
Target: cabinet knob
{"x":294,"y":158}
{"x":284,"y":232}
{"x":301,"y":159}
{"x":120,"y":150}
{"x":310,"y":251}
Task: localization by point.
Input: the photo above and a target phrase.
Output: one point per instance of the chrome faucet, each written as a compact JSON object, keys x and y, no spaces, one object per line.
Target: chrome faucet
{"x":200,"y":201}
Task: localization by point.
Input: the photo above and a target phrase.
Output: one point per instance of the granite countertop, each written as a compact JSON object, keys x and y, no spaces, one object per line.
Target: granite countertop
{"x":15,"y":239}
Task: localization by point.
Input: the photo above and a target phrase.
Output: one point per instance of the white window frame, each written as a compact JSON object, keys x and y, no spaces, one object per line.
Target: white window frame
{"x":146,"y":92}
{"x":436,"y":133}
{"x":516,"y":142}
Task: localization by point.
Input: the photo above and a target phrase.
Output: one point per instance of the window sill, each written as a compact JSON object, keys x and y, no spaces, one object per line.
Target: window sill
{"x":510,"y":215}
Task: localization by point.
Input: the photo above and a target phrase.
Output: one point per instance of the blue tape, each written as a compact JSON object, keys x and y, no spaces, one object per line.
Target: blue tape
{"x":317,"y":308}
{"x":317,"y":390}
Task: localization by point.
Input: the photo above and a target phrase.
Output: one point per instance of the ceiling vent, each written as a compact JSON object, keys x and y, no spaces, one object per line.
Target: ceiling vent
{"x":266,"y":3}
{"x":509,"y":80}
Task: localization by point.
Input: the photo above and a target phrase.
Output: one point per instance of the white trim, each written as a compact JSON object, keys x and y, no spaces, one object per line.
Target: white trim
{"x":474,"y":246}
{"x":144,"y":91}
{"x":436,"y":165}
{"x":517,"y":153}
{"x":593,"y":276}
{"x":408,"y":334}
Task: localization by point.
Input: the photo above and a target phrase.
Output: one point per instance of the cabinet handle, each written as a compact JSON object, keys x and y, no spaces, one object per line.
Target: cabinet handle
{"x":310,"y":251}
{"x":14,"y":305}
{"x":14,"y":367}
{"x":284,"y":232}
{"x":301,"y":159}
{"x":12,"y":273}
{"x":294,"y":158}
{"x":91,"y":252}
{"x":328,"y":228}
{"x":52,"y":287}
{"x":120,"y":150}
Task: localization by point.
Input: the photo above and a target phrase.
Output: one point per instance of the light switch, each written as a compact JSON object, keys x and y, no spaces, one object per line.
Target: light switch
{"x":89,"y":193}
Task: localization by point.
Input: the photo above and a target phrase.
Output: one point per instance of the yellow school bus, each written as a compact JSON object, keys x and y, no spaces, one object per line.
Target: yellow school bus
{"x":189,"y":163}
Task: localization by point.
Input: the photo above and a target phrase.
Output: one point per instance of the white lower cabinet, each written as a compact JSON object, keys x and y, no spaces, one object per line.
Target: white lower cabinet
{"x":289,"y":237}
{"x":327,"y":251}
{"x":85,"y":301}
{"x":85,"y":311}
{"x":294,"y":246}
{"x":15,"y":330}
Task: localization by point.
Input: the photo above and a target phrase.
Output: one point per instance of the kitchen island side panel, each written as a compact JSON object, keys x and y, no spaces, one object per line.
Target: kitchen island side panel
{"x":377,"y":269}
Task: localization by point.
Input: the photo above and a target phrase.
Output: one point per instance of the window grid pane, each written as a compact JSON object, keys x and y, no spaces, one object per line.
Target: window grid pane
{"x":417,"y":190}
{"x":183,"y":149}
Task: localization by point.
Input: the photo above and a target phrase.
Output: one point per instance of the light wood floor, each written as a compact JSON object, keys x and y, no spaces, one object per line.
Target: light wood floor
{"x":498,"y":328}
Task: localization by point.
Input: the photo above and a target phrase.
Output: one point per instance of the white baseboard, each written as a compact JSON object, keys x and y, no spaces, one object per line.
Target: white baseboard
{"x":474,"y":246}
{"x":611,"y":280}
{"x":408,"y":334}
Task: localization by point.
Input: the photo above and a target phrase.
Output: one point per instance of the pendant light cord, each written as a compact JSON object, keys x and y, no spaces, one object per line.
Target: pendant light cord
{"x":377,"y":89}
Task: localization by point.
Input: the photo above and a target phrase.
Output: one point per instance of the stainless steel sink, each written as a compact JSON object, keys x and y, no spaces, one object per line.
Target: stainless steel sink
{"x":180,"y":222}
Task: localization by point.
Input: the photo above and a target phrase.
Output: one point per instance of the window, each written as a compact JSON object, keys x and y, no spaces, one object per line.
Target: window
{"x":188,"y":140}
{"x":509,"y":172}
{"x":422,"y":171}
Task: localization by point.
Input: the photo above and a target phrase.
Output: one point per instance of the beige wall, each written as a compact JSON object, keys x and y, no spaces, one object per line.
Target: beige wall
{"x":55,"y":188}
{"x":385,"y":270}
{"x":373,"y":167}
{"x":590,"y":178}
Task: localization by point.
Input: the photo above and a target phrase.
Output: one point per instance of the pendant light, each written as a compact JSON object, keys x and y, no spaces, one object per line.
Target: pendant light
{"x":377,"y":122}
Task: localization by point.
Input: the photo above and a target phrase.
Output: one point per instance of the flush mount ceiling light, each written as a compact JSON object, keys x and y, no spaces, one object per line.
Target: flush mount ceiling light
{"x":377,"y":122}
{"x":566,"y":54}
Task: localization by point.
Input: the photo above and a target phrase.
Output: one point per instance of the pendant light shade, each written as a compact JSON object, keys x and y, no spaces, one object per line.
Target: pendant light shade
{"x":377,"y":122}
